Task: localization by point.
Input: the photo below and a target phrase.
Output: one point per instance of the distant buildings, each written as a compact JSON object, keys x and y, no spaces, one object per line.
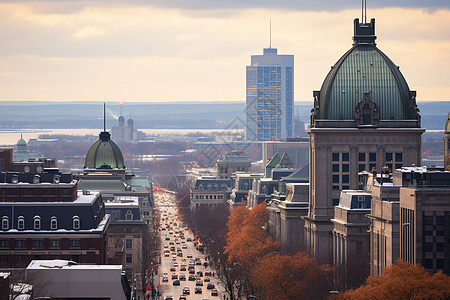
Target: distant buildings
{"x":270,"y":97}
{"x":126,"y":132}
{"x":230,"y":163}
{"x":21,"y":153}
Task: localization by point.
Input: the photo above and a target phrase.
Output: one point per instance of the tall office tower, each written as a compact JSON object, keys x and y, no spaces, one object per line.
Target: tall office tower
{"x":270,"y":96}
{"x":364,"y":117}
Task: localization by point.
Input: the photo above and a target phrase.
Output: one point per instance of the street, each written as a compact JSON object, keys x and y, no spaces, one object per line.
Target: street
{"x":179,"y":255}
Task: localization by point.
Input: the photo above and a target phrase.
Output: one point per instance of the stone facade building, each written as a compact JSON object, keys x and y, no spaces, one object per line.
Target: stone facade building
{"x":364,"y":117}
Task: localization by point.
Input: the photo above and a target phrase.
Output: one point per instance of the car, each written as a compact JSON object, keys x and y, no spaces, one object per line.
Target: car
{"x":200,"y":274}
{"x":172,"y":269}
{"x":189,"y":255}
{"x":168,"y":298}
{"x":199,"y":283}
{"x":176,"y":282}
{"x":198,"y":262}
{"x":182,"y":277}
{"x":166,"y":246}
{"x":210,"y":286}
{"x":166,"y":254}
{"x":207,"y":279}
{"x":175,"y":264}
{"x":189,"y":239}
{"x":191,"y":277}
{"x":198,"y":289}
{"x":186,"y":290}
{"x":214,"y":293}
{"x":180,"y":254}
{"x":174,"y":276}
{"x":182,"y":297}
{"x":167,"y":238}
{"x":207,"y":273}
{"x":183,"y":268}
{"x":184,"y":247}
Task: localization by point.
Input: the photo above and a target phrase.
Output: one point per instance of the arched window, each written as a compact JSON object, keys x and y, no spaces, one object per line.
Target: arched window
{"x":21,"y":223}
{"x":129,"y":215}
{"x":37,"y":223}
{"x":76,"y":222}
{"x":5,"y":223}
{"x":53,"y":223}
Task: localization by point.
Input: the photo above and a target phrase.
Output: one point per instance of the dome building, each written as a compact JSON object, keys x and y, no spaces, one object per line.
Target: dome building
{"x":104,"y":154}
{"x":364,"y":117}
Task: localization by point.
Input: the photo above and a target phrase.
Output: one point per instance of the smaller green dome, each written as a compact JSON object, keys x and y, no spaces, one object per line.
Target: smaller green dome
{"x":21,"y":141}
{"x":104,"y":154}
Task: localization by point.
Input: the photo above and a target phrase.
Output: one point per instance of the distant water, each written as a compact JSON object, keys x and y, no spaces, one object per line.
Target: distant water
{"x":10,"y":137}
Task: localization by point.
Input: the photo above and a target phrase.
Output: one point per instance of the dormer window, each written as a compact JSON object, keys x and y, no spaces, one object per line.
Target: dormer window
{"x":129,"y":215}
{"x":53,"y":223}
{"x":37,"y":223}
{"x":5,"y":223}
{"x":76,"y":223}
{"x":21,"y":223}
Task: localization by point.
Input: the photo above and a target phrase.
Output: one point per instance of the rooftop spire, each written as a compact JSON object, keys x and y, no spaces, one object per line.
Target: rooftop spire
{"x":270,"y":33}
{"x":363,"y":11}
{"x":104,"y":116}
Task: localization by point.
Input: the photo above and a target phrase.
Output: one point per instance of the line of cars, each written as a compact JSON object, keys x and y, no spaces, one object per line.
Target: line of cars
{"x":183,"y":262}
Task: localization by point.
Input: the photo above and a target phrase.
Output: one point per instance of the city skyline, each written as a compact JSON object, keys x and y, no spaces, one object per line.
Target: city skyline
{"x":139,"y":51}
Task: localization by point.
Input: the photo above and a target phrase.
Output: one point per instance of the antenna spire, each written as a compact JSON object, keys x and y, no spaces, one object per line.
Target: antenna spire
{"x":363,"y":11}
{"x":104,"y":116}
{"x":270,"y":33}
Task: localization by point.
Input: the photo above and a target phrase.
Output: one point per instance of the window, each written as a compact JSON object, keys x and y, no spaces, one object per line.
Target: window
{"x":129,"y":244}
{"x":388,"y":157}
{"x":361,"y":167}
{"x":5,"y":223}
{"x":76,"y":222}
{"x":129,"y":215}
{"x":335,"y":201}
{"x":335,"y":156}
{"x":21,"y":223}
{"x":398,"y":157}
{"x":345,"y":178}
{"x":345,"y":168}
{"x":55,"y":243}
{"x":20,"y":243}
{"x":38,"y":243}
{"x":4,"y":243}
{"x":75,"y":258}
{"x":372,"y":166}
{"x":361,"y":157}
{"x":345,"y":156}
{"x":54,"y":223}
{"x":75,"y":243}
{"x":129,"y":258}
{"x":335,"y":187}
{"x":372,"y":156}
{"x":37,"y":222}
{"x":398,"y":166}
{"x":335,"y":178}
{"x":335,"y":167}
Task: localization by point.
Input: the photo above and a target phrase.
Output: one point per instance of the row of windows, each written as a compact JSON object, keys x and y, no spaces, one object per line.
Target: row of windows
{"x":211,"y":197}
{"x":37,"y":223}
{"x":21,"y":258}
{"x":369,"y":156}
{"x":38,"y":243}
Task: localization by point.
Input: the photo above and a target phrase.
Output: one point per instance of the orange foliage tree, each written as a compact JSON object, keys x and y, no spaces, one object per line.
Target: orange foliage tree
{"x":292,"y":277}
{"x":403,"y":281}
{"x":248,"y":240}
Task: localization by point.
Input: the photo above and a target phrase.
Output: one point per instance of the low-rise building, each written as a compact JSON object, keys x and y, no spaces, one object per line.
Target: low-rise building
{"x":45,"y":218}
{"x":62,"y":279}
{"x":230,"y":163}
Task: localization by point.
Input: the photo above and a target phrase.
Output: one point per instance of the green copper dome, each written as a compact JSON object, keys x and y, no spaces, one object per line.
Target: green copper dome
{"x":104,"y":154}
{"x":365,"y":74}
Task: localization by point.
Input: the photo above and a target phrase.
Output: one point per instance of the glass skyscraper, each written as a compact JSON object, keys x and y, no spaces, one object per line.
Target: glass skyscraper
{"x":270,"y":96}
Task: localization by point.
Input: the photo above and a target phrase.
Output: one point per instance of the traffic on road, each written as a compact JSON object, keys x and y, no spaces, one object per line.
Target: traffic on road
{"x":184,"y":272}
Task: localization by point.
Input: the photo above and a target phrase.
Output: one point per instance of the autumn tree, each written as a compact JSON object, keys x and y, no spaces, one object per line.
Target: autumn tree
{"x":291,"y":277}
{"x":248,"y":241}
{"x":403,"y":281}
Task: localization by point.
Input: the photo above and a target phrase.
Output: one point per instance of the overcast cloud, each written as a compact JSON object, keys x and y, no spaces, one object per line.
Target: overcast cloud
{"x":197,"y":50}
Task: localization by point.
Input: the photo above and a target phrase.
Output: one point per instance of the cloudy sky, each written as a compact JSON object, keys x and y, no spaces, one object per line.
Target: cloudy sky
{"x":197,"y":50}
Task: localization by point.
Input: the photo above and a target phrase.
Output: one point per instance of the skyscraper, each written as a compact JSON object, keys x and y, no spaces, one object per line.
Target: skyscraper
{"x":270,"y":96}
